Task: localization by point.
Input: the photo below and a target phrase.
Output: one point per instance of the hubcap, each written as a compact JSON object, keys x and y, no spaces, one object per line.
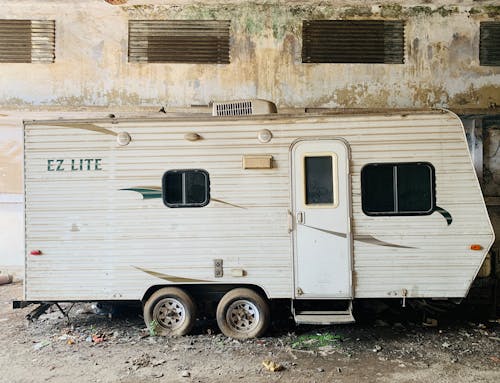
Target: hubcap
{"x":242,"y":315}
{"x":169,"y":313}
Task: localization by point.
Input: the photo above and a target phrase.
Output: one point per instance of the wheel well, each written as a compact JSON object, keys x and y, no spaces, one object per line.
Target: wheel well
{"x":211,"y":292}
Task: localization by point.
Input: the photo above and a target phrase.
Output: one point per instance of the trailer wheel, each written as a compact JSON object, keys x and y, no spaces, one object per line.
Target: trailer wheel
{"x":242,"y":314}
{"x":170,"y":311}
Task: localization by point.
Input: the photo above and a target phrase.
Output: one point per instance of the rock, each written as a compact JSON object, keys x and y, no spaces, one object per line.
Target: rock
{"x":446,"y":345}
{"x":320,"y":369}
{"x":5,"y":279}
{"x":339,"y":370}
{"x":377,"y":348}
{"x":41,"y":345}
{"x":185,"y":374}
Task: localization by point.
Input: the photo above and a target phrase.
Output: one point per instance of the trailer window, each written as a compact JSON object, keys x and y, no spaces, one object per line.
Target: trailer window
{"x":186,"y":188}
{"x":318,"y":172}
{"x":398,"y":189}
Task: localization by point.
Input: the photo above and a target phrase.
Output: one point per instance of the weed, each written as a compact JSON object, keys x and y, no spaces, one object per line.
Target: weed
{"x":313,"y":341}
{"x":153,"y":326}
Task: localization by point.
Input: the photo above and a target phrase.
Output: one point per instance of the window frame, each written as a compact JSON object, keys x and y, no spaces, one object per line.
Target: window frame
{"x":398,"y":213}
{"x":335,"y":180}
{"x":186,"y":205}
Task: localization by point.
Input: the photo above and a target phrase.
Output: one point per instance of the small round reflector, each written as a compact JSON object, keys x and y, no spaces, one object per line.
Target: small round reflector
{"x":476,"y":247}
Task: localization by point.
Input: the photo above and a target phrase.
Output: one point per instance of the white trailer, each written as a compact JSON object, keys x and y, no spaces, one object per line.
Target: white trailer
{"x":318,"y":209}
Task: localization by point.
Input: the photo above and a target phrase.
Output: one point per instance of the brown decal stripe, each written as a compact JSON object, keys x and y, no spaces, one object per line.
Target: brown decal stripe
{"x":374,"y":241}
{"x":86,"y":126}
{"x":226,"y":203}
{"x":342,"y":235}
{"x":170,"y":278}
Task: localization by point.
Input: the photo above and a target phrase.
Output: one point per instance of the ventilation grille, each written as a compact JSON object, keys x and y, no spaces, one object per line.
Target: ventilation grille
{"x":235,"y":108}
{"x":243,"y":107}
{"x":346,"y":41}
{"x":179,"y":41}
{"x":27,"y":41}
{"x":489,"y":43}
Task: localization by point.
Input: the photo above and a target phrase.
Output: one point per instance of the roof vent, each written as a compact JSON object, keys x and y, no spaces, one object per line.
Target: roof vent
{"x":243,"y":108}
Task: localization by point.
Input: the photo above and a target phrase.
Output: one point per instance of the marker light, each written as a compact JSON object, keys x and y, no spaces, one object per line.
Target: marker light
{"x":36,"y":252}
{"x":476,"y":247}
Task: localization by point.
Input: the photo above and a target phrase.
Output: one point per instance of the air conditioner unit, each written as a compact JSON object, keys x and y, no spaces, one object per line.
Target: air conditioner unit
{"x":243,"y":108}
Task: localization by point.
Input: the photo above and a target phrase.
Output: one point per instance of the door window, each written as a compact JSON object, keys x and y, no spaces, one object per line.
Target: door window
{"x":319,"y":180}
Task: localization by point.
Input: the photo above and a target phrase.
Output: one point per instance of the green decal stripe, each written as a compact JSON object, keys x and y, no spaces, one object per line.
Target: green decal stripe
{"x":146,"y":193}
{"x":445,"y":214}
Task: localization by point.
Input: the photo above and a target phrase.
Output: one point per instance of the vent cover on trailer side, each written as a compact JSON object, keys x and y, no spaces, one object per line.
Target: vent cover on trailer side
{"x":243,"y":108}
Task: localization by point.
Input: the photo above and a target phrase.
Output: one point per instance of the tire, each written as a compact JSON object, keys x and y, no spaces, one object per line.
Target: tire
{"x":170,"y":311}
{"x":243,"y":314}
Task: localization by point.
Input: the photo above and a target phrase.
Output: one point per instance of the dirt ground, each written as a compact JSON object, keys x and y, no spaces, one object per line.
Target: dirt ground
{"x":97,"y":348}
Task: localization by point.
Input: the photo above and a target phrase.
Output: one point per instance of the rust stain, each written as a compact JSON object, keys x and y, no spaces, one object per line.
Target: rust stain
{"x":488,"y":95}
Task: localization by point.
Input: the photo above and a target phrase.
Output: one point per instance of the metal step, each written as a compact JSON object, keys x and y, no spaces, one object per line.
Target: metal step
{"x":324,"y":317}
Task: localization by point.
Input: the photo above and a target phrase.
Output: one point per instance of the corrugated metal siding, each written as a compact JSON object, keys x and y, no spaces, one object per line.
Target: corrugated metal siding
{"x":27,"y":41}
{"x":179,"y":41}
{"x":93,"y":234}
{"x":353,"y":41}
{"x":489,"y":43}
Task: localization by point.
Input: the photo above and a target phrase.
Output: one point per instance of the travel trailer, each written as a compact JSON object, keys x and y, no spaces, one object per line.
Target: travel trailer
{"x":240,"y":209}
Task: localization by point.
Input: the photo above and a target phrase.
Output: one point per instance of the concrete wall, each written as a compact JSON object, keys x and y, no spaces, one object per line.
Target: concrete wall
{"x":91,"y":66}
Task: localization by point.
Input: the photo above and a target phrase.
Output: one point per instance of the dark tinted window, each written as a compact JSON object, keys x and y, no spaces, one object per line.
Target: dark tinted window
{"x":186,"y":188}
{"x":378,"y":184}
{"x":398,"y":189}
{"x":319,"y":180}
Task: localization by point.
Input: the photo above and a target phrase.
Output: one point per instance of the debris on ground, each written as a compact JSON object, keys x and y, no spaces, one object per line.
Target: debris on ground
{"x":41,"y":345}
{"x":401,"y":351}
{"x":272,"y":366}
{"x":377,"y":348}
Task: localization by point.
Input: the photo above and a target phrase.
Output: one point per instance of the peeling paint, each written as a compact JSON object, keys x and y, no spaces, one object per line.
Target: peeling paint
{"x":91,"y":68}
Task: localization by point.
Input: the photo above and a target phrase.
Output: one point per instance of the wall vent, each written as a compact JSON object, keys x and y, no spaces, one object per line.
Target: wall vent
{"x":27,"y":41}
{"x":489,"y":43}
{"x":353,"y":41}
{"x":243,"y":108}
{"x":179,"y":41}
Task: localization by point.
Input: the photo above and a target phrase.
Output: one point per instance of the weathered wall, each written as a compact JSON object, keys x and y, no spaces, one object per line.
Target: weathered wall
{"x":91,"y":68}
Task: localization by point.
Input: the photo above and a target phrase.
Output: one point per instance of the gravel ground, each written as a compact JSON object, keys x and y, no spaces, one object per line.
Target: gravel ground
{"x":388,"y":347}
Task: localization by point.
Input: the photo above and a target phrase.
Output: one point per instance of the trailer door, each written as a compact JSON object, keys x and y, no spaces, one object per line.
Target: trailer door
{"x":321,"y":213}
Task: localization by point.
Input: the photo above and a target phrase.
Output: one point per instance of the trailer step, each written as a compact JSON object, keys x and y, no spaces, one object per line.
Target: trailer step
{"x":324,"y":318}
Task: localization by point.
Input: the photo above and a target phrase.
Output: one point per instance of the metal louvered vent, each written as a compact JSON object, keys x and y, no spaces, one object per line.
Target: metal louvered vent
{"x":489,"y":43}
{"x":179,"y":41}
{"x":27,"y":41}
{"x":353,"y":41}
{"x":243,"y":107}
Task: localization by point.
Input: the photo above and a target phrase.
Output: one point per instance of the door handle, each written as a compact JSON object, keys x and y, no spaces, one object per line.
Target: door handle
{"x":300,"y":217}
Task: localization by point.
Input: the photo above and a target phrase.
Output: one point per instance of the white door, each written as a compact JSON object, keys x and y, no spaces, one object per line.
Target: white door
{"x":321,"y":210}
